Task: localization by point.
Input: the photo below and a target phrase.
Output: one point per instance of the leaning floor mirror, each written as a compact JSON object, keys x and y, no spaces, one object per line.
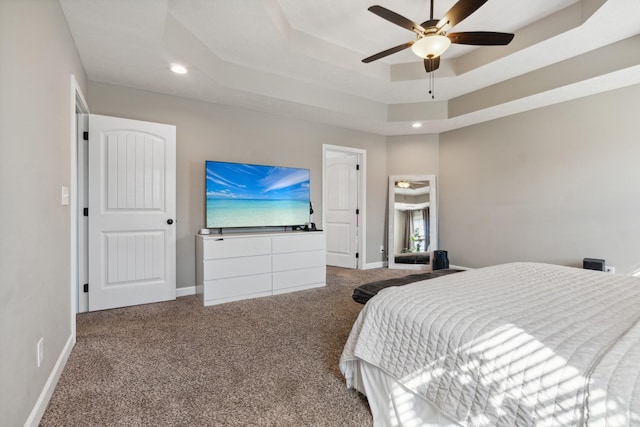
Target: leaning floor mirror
{"x":413,"y":221}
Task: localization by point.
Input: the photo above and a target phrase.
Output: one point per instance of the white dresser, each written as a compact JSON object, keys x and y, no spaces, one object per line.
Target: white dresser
{"x":240,"y":266}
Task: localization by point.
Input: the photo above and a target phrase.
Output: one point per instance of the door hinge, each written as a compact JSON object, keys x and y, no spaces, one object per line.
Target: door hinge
{"x":357,"y":211}
{"x":85,"y":211}
{"x":85,"y":136}
{"x":357,"y":255}
{"x":357,"y":167}
{"x":85,"y":287}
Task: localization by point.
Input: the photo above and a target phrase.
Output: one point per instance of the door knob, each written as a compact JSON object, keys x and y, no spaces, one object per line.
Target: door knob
{"x":169,"y":221}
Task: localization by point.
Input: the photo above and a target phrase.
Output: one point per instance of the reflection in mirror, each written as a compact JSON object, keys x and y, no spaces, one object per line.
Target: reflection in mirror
{"x":412,"y":221}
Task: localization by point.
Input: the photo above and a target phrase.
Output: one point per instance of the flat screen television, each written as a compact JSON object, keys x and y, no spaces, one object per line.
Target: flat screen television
{"x":247,"y":195}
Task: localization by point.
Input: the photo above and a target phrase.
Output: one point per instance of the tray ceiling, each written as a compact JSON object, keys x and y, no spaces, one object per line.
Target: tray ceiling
{"x":303,"y":59}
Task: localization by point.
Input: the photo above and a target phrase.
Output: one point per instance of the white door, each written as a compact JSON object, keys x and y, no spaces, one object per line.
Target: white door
{"x":342,"y":206}
{"x":132,"y":206}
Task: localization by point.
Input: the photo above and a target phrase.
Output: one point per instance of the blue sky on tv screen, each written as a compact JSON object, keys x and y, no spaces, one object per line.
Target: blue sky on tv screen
{"x":256,"y":182}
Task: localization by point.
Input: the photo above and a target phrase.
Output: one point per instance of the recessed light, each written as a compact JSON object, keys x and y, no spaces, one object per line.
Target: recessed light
{"x":416,"y":125}
{"x":178,"y":69}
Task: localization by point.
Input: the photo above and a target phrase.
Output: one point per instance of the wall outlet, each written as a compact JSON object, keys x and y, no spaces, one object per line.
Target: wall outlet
{"x":40,"y":351}
{"x":609,"y":269}
{"x":381,"y":249}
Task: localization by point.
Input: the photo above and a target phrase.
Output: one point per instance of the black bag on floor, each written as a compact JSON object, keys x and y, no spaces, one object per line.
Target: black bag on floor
{"x":440,"y":260}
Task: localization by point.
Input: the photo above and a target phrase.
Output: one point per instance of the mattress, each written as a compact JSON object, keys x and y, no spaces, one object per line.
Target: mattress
{"x":514,"y":344}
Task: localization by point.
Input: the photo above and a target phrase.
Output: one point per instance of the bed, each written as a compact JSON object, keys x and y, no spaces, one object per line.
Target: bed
{"x":519,"y":344}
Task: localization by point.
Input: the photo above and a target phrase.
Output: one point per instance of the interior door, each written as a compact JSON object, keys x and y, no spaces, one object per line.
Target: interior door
{"x":132,"y":231}
{"x":342,"y":205}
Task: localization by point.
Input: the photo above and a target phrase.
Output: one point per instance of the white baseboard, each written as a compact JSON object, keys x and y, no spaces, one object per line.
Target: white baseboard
{"x":459,"y":267}
{"x":372,"y":265}
{"x":186,"y":291}
{"x":45,"y":395}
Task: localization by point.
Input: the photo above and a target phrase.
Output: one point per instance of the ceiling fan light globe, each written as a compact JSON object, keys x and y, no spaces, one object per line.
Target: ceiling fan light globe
{"x":431,"y":46}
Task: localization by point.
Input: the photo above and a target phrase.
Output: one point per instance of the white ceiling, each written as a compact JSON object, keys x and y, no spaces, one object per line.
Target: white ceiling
{"x":303,"y":59}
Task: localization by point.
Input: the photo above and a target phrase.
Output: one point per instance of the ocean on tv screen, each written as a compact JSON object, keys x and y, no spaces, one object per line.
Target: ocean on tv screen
{"x":245,"y":195}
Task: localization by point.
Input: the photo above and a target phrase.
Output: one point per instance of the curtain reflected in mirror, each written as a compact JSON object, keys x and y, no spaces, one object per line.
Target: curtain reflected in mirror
{"x":411,"y":221}
{"x":415,"y":237}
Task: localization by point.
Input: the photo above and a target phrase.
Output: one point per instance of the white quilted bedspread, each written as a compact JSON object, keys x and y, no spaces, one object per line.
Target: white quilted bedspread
{"x":519,"y":344}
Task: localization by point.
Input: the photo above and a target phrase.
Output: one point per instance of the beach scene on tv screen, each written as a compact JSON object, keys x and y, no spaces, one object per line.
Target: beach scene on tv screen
{"x":245,"y":195}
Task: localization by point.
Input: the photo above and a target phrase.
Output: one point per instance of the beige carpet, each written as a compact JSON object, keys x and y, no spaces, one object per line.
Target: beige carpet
{"x":265,"y":362}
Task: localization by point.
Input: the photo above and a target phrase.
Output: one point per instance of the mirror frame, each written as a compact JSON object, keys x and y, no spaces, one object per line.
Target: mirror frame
{"x":433,"y":221}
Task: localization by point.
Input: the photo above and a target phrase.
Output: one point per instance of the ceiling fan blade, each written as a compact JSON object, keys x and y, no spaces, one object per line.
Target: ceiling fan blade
{"x":388,"y":52}
{"x":459,"y":11}
{"x":481,"y":38}
{"x":396,"y":19}
{"x":431,"y":64}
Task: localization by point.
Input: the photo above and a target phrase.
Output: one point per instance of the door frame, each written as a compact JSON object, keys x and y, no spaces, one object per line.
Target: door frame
{"x":78,"y":105}
{"x":362,"y":196}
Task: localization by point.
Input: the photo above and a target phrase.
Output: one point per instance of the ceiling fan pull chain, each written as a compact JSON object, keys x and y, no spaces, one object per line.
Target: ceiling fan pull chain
{"x":432,"y":85}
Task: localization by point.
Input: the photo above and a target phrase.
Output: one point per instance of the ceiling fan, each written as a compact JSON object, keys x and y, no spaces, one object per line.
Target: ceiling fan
{"x":411,"y":185}
{"x":432,"y":36}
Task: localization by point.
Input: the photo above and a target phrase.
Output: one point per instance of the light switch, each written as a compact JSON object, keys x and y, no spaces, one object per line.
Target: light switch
{"x":65,"y":195}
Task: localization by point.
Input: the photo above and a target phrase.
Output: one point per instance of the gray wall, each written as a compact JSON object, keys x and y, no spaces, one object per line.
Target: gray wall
{"x":413,"y":155}
{"x":556,"y":185}
{"x":208,"y":131}
{"x":37,"y":57}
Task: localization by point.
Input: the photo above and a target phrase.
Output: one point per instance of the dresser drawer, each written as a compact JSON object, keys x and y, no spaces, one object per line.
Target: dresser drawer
{"x":234,"y":267}
{"x":299,"y":260}
{"x":233,"y":247}
{"x":299,"y":278}
{"x":299,"y":242}
{"x":238,"y":287}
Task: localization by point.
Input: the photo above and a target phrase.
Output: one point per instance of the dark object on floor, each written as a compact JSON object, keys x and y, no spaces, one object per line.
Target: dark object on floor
{"x":365,"y":292}
{"x":440,"y":260}
{"x":593,"y":264}
{"x":413,"y":258}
